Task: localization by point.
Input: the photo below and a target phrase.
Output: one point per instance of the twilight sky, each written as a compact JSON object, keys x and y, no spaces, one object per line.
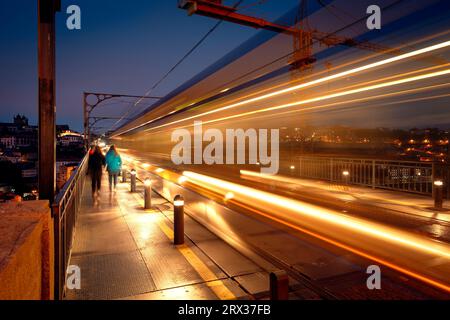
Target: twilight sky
{"x":123,"y":47}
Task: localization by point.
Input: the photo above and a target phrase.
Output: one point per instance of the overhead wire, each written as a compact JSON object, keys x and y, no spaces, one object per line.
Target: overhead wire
{"x":185,"y":56}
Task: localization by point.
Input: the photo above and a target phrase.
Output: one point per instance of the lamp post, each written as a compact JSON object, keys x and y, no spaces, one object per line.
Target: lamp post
{"x":438,"y":194}
{"x":178,"y":211}
{"x":346,"y":175}
{"x":133,"y":180}
{"x":148,"y":193}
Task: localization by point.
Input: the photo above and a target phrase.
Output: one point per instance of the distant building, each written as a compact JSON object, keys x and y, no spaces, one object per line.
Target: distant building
{"x":28,"y":169}
{"x":61,"y":128}
{"x":70,"y":138}
{"x":21,"y":120}
{"x":11,"y":156}
{"x":8,"y":141}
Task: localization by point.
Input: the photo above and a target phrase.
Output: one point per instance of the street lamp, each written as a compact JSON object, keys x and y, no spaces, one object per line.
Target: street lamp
{"x":148,"y":193}
{"x":438,"y":194}
{"x":178,"y":219}
{"x":133,"y":180}
{"x":346,"y":175}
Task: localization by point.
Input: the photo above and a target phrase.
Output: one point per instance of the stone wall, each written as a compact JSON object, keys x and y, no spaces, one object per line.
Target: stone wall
{"x":26,"y":251}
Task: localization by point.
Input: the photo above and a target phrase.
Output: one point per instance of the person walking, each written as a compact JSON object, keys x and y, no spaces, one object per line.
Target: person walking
{"x":96,"y":163}
{"x":113,"y":166}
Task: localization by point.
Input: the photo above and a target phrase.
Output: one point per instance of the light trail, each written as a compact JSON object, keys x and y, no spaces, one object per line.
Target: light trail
{"x":308,"y":84}
{"x":303,"y":182}
{"x":236,"y":194}
{"x":331,"y":96}
{"x":280,"y":209}
{"x":346,"y":102}
{"x":316,"y":212}
{"x":364,"y":100}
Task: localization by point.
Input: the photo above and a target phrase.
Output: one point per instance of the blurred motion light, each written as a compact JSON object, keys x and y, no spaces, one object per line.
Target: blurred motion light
{"x":229,"y":196}
{"x":182,"y":179}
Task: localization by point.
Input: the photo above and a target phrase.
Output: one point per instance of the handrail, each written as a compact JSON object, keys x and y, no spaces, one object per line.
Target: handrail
{"x":365,"y":159}
{"x":399,"y":175}
{"x":65,"y":209}
{"x":68,"y":186}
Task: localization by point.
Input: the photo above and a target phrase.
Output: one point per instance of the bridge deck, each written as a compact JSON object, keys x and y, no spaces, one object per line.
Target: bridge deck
{"x":126,"y":252}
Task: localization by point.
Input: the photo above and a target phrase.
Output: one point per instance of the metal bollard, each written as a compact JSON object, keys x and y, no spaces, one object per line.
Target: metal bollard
{"x":133,"y":180}
{"x":178,"y":218}
{"x":438,"y":194}
{"x":148,"y":193}
{"x":346,"y":175}
{"x":124,"y":175}
{"x":279,"y":285}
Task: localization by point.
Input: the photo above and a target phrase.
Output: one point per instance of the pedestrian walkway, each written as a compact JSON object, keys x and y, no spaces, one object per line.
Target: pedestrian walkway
{"x":126,"y":252}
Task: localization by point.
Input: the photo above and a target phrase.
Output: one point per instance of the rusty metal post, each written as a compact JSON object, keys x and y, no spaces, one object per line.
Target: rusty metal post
{"x":47,"y":100}
{"x":279,"y":285}
{"x":178,"y":218}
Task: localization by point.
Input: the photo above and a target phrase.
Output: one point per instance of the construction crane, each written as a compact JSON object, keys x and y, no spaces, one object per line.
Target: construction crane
{"x":302,"y":58}
{"x":303,"y":35}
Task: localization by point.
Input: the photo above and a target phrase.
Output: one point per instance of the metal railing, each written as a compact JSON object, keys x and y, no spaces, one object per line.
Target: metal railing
{"x":64,"y":212}
{"x":408,"y":176}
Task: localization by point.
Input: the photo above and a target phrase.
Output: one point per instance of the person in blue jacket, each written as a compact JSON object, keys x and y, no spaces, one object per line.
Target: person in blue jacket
{"x":113,"y":166}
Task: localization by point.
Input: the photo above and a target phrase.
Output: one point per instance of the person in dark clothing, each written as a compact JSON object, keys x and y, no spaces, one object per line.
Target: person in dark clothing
{"x":96,"y":163}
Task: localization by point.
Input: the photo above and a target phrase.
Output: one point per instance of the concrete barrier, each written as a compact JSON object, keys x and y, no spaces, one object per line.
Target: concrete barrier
{"x":26,"y":251}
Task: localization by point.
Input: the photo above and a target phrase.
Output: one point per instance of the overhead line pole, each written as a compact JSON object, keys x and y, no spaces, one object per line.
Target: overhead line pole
{"x":47,"y":101}
{"x":88,"y":107}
